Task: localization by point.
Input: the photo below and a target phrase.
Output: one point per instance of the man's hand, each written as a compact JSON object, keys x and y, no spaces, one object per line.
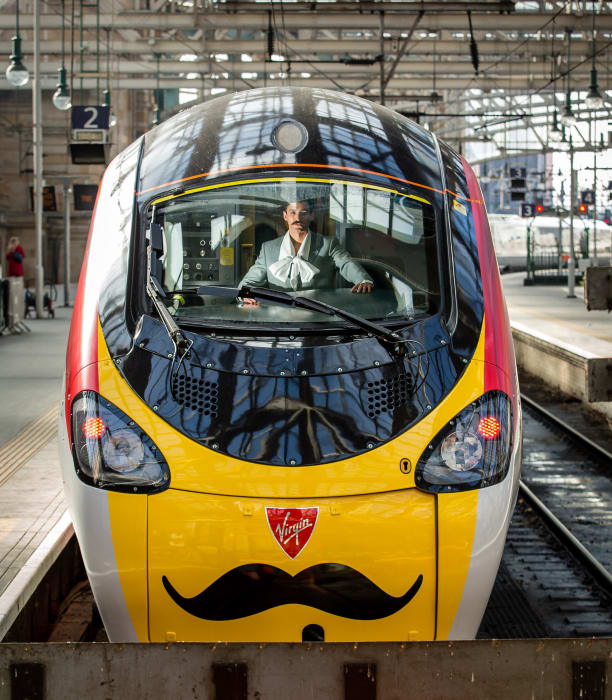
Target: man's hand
{"x":362,"y":288}
{"x":249,"y":302}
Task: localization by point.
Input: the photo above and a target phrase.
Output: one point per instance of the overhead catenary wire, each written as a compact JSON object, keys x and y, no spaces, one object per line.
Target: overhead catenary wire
{"x":192,"y":49}
{"x":485,"y":69}
{"x":54,"y":10}
{"x":560,"y":76}
{"x":473,"y":81}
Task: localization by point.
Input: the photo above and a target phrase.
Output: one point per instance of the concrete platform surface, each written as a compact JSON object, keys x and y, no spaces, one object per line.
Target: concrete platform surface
{"x":31,"y":370}
{"x":31,"y":494}
{"x":547,"y":309}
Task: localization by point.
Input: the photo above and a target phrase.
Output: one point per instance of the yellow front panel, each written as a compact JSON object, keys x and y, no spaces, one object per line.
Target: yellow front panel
{"x":456,"y":525}
{"x":194,"y":539}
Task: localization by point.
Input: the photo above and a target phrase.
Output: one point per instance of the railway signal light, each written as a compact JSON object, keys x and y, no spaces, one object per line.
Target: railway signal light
{"x":529,"y":210}
{"x":517,"y":184}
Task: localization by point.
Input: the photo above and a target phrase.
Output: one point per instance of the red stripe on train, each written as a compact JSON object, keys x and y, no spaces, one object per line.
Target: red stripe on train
{"x":82,"y":350}
{"x":499,"y":350}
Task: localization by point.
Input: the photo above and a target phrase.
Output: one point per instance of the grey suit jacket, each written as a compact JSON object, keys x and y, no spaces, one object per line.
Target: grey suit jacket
{"x":325,"y":253}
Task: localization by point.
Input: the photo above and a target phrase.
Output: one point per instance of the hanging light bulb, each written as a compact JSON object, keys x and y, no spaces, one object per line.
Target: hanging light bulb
{"x":555,"y":132}
{"x":564,"y":144}
{"x":435,"y":96}
{"x":61,"y":97}
{"x":157,"y":95}
{"x":112,"y":118}
{"x":17,"y":74}
{"x":594,"y":100}
{"x":568,"y":118}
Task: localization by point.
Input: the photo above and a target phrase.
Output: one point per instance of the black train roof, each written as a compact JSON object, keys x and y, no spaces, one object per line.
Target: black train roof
{"x":231,"y":136}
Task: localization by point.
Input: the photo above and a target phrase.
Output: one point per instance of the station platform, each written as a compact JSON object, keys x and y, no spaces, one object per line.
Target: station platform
{"x":557,"y":339}
{"x":547,"y":309}
{"x":34,"y":524}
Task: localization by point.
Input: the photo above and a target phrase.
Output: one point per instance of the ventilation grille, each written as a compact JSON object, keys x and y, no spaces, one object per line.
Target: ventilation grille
{"x":197,"y":394}
{"x":385,"y":395}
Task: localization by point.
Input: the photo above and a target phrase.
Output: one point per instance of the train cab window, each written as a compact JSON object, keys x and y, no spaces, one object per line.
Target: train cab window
{"x":314,"y":238}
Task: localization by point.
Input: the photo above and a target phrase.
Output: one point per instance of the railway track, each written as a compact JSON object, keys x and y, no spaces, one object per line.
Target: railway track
{"x":572,"y":475}
{"x":554,"y":579}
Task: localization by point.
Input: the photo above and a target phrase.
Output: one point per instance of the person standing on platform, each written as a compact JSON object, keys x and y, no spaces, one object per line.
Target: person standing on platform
{"x":15,"y":255}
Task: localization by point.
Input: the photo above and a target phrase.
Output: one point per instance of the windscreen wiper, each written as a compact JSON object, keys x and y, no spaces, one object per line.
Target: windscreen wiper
{"x":391,"y":341}
{"x":155,"y":291}
{"x":180,"y":342}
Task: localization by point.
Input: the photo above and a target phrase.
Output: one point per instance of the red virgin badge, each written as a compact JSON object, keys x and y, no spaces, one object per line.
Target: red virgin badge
{"x":292,"y":527}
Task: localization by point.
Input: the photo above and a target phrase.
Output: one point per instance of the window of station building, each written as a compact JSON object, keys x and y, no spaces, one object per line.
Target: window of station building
{"x":235,"y":235}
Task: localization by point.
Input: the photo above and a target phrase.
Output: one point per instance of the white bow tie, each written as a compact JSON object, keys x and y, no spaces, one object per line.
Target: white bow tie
{"x":293,"y":266}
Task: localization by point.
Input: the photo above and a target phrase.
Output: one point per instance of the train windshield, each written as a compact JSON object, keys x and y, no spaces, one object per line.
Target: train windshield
{"x":368,"y":250}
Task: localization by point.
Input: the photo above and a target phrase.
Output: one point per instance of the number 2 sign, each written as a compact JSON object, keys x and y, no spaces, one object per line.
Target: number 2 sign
{"x":90,"y":117}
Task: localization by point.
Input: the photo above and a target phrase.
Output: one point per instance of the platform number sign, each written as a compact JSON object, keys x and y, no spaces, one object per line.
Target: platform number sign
{"x":518,"y":173}
{"x":90,"y":117}
{"x":528,"y":209}
{"x":587,"y":197}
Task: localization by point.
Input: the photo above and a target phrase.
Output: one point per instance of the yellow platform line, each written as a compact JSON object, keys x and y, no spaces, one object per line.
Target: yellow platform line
{"x":16,"y":452}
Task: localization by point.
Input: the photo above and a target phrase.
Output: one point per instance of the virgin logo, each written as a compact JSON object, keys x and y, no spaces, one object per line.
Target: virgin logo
{"x":292,"y":527}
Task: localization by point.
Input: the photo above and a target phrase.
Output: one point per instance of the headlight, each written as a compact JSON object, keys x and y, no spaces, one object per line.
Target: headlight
{"x":111,"y":451}
{"x":472,"y":450}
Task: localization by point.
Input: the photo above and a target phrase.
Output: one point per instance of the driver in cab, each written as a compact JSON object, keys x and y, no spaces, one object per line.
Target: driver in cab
{"x":303,"y":259}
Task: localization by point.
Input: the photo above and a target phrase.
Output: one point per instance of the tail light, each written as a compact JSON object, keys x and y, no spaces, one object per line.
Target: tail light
{"x":472,"y":450}
{"x":111,"y":451}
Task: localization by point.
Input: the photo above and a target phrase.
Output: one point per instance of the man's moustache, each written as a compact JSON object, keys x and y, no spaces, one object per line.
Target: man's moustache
{"x":254,"y":588}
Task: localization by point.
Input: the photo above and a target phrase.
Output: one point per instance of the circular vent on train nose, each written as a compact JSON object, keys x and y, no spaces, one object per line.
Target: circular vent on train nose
{"x":196,"y":394}
{"x":385,"y":395}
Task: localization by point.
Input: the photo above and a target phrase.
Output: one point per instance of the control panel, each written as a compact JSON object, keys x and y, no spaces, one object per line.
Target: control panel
{"x":209,"y":253}
{"x":200,"y":261}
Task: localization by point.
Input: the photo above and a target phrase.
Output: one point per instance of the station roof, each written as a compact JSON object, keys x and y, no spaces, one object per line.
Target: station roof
{"x":471,"y":71}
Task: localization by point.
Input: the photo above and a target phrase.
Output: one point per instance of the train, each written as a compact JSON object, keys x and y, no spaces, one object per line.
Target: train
{"x":290,"y":408}
{"x":551,"y":240}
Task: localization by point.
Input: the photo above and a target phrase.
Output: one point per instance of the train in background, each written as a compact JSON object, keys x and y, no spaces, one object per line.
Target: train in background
{"x":509,"y":232}
{"x":297,"y":457}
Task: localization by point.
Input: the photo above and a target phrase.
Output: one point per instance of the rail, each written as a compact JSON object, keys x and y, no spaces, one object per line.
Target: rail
{"x":599,"y":573}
